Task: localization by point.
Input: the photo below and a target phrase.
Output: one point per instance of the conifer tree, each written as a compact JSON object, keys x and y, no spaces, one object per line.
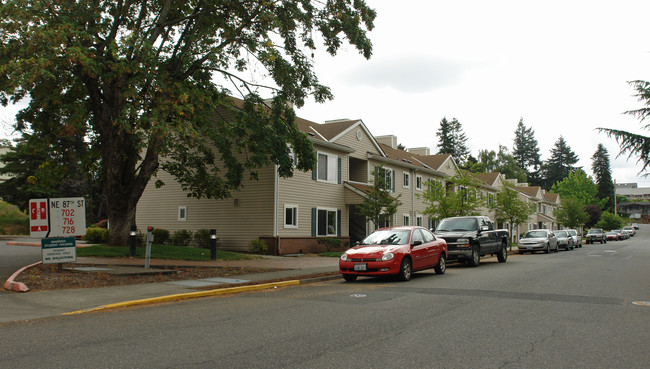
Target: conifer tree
{"x":560,"y":164}
{"x":526,"y":150}
{"x":603,"y":176}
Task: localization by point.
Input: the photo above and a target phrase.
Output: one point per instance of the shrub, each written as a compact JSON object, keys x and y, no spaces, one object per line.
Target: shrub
{"x":258,"y":247}
{"x":182,"y":237}
{"x":330,"y":243}
{"x":102,"y":223}
{"x":96,"y":235}
{"x":201,"y":238}
{"x":160,"y":235}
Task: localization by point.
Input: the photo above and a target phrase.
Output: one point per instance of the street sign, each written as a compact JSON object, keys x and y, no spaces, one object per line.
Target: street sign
{"x":60,"y":217}
{"x":59,"y":250}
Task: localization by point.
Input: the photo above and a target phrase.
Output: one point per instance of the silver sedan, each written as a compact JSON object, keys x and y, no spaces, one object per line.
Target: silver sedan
{"x":538,"y":240}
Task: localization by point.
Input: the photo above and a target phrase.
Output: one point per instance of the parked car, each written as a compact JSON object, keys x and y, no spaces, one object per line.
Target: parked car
{"x":613,"y":236}
{"x":635,"y":225}
{"x":577,"y":237}
{"x":622,"y":235}
{"x":538,"y":240}
{"x":471,"y":237}
{"x":630,"y":230}
{"x":564,"y":240}
{"x":596,"y":235}
{"x":398,"y":251}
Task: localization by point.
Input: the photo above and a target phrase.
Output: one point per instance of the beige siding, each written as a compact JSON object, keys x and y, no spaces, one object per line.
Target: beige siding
{"x":245,"y":216}
{"x":306,"y":193}
{"x":362,"y":147}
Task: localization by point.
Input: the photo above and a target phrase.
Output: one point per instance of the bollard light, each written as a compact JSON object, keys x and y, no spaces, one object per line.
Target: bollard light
{"x":213,"y":244}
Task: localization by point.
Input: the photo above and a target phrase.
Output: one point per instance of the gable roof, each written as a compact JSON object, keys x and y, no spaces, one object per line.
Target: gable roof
{"x":489,"y":178}
{"x":408,"y":159}
{"x":531,"y":191}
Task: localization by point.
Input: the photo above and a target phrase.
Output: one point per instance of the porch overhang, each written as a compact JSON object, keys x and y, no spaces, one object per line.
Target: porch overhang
{"x":355,"y":192}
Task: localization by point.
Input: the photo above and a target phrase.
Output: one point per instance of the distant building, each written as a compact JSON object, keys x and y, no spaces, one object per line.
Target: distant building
{"x":632,"y":191}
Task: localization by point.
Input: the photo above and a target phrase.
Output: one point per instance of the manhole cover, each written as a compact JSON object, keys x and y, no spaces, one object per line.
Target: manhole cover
{"x":642,"y":303}
{"x":357,"y":295}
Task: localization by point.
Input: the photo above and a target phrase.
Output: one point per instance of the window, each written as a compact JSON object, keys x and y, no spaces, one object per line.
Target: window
{"x":290,"y":216}
{"x":407,"y":219}
{"x":491,"y":199}
{"x":326,"y":222}
{"x":417,"y":236}
{"x":384,"y":221}
{"x":293,"y":157}
{"x":419,"y":220}
{"x":418,"y":183}
{"x":328,"y":168}
{"x":182,"y":213}
{"x":389,"y":178}
{"x":407,"y":180}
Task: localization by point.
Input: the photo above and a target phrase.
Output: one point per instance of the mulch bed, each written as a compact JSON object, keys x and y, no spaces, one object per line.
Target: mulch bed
{"x":47,"y":277}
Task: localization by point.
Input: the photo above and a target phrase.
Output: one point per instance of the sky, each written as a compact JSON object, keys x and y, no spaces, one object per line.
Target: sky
{"x":562,"y":66}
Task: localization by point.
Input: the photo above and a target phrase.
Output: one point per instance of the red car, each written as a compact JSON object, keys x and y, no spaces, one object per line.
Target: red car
{"x":398,"y":251}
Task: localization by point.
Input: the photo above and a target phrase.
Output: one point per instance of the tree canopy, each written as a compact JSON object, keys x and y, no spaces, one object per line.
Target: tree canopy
{"x":560,"y":164}
{"x":630,"y":143}
{"x":571,"y":213}
{"x":378,"y":203}
{"x":452,"y":140}
{"x":457,"y":197}
{"x":526,"y":150}
{"x":577,"y":185}
{"x":509,"y":208}
{"x":603,"y":176}
{"x":151,"y":80}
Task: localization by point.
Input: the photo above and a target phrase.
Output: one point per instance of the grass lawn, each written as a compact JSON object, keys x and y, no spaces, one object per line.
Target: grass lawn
{"x":163,"y":252}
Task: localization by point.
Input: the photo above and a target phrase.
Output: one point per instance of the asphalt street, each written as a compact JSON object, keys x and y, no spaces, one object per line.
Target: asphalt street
{"x":586,"y":308}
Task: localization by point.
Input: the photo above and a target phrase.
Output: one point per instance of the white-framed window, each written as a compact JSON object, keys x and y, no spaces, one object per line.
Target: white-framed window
{"x":182,"y":213}
{"x":327,"y":169}
{"x":407,"y":180}
{"x":326,"y":224}
{"x":290,"y":216}
{"x":418,"y":183}
{"x":389,"y":178}
{"x":419,"y":220}
{"x":293,"y":156}
{"x":407,"y":219}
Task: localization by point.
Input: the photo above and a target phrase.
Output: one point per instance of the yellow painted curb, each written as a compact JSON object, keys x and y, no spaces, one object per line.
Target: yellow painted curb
{"x":190,"y":295}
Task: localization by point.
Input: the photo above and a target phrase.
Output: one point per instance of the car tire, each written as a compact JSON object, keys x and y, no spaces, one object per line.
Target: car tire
{"x":475,"y":259}
{"x":502,"y":255}
{"x":405,"y":270}
{"x":441,"y":267}
{"x":521,"y":252}
{"x":349,"y":277}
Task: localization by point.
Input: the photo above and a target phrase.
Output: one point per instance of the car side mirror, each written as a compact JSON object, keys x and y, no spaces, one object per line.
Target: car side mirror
{"x":484,"y":228}
{"x":416,"y":243}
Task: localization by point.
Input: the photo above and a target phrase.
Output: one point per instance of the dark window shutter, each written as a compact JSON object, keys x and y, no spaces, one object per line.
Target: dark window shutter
{"x":314,"y":174}
{"x":338,"y":223}
{"x":313,"y":222}
{"x":393,"y":182}
{"x":339,"y":170}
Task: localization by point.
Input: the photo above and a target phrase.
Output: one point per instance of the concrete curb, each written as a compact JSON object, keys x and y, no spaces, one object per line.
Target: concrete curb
{"x":214,"y":292}
{"x":11,"y":285}
{"x":185,"y":296}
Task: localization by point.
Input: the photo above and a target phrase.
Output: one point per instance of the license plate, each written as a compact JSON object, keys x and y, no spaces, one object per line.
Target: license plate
{"x":360,"y":267}
{"x":530,"y":247}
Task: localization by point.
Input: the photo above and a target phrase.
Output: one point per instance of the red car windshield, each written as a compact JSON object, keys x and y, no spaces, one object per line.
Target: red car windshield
{"x":387,"y":237}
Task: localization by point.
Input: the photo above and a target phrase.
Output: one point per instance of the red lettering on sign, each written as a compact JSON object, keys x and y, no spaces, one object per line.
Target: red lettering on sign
{"x":39,"y":228}
{"x":33,"y":211}
{"x":43,"y":210}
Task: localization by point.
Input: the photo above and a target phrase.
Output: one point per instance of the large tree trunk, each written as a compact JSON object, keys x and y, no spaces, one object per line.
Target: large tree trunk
{"x":125,"y":178}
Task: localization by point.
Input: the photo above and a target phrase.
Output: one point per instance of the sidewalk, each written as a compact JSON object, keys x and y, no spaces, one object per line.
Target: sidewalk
{"x":32,"y":305}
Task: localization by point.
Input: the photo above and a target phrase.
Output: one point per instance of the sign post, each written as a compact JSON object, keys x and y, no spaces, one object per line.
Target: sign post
{"x":57,"y":222}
